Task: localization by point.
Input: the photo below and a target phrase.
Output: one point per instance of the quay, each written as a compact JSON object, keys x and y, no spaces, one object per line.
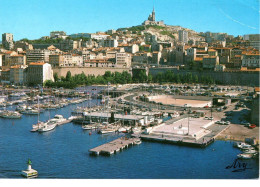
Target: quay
{"x":200,"y":134}
{"x":114,"y":146}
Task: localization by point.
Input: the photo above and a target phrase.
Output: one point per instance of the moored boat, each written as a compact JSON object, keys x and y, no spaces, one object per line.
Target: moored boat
{"x":245,"y":156}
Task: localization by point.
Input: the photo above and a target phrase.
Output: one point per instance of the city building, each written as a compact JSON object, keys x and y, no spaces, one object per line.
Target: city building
{"x":37,"y":55}
{"x":38,"y":73}
{"x":18,"y":74}
{"x":5,"y":76}
{"x":183,"y":36}
{"x":110,"y":43}
{"x":156,"y":57}
{"x":17,"y":60}
{"x":210,"y":62}
{"x":254,"y":40}
{"x":58,"y":34}
{"x":123,"y":59}
{"x":99,"y":63}
{"x":251,"y":60}
{"x":7,"y":41}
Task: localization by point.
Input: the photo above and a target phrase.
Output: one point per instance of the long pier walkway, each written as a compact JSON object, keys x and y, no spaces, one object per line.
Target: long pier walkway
{"x":114,"y":146}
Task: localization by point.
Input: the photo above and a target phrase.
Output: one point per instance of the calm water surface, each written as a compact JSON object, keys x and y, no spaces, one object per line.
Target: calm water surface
{"x":63,"y":153}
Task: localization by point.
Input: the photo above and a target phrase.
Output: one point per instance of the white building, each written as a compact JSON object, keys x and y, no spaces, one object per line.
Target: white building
{"x":57,"y":34}
{"x":39,"y":72}
{"x":123,"y":59}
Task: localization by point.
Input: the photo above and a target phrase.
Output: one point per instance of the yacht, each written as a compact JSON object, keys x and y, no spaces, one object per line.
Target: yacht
{"x":137,"y":142}
{"x":88,"y":127}
{"x":58,"y":119}
{"x":20,"y":107}
{"x":10,"y":114}
{"x":30,"y":111}
{"x":48,"y":126}
{"x":37,"y":126}
{"x":249,"y":150}
{"x":245,"y":156}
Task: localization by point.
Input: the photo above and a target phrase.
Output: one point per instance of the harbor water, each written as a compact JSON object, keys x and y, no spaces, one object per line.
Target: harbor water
{"x":63,"y":153}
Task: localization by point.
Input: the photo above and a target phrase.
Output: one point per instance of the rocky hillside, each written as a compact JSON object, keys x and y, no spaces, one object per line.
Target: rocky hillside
{"x":163,"y":33}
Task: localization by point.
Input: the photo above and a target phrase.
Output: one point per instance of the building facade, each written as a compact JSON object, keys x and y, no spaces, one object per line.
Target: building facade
{"x":7,"y":41}
{"x":37,"y":55}
{"x":39,"y":72}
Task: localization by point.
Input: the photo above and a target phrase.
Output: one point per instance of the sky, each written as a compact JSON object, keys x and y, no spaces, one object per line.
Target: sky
{"x":33,"y":19}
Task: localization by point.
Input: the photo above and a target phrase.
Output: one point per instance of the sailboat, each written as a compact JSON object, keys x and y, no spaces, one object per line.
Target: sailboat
{"x":39,"y":124}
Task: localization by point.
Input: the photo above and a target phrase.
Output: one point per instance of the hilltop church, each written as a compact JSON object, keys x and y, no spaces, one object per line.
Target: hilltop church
{"x":151,"y":20}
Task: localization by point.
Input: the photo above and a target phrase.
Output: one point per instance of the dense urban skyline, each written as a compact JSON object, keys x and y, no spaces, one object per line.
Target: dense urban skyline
{"x":33,"y":19}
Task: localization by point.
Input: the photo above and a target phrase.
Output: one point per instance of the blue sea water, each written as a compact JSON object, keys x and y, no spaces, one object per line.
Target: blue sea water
{"x":63,"y":153}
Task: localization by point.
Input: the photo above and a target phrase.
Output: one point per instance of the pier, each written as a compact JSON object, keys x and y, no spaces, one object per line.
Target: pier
{"x":114,"y":146}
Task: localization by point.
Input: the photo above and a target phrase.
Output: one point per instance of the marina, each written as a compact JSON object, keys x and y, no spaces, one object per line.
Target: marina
{"x":90,"y":130}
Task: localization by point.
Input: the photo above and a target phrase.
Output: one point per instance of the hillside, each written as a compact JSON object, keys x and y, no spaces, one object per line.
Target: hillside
{"x":163,"y":33}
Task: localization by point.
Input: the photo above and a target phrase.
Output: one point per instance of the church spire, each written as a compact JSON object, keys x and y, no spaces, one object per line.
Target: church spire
{"x":153,"y":15}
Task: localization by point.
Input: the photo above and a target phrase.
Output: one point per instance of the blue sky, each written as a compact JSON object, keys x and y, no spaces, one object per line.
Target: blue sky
{"x":35,"y":18}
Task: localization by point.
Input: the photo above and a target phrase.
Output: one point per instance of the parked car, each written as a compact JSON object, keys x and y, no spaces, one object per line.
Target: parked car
{"x":206,"y":117}
{"x":227,"y":122}
{"x":211,"y":118}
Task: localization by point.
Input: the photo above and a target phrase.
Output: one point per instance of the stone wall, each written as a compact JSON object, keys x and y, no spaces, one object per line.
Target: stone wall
{"x":225,"y":78}
{"x":87,"y":70}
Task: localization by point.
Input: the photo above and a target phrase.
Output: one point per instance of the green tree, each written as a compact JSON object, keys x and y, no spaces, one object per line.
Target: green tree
{"x":56,"y":78}
{"x":68,"y":76}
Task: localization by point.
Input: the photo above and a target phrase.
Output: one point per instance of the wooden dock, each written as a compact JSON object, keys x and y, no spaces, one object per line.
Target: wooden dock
{"x":114,"y":146}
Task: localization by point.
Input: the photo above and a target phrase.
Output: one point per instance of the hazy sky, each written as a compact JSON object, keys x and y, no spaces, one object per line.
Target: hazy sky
{"x":35,"y":18}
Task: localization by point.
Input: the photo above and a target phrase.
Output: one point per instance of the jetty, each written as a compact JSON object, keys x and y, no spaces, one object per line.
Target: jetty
{"x":114,"y":146}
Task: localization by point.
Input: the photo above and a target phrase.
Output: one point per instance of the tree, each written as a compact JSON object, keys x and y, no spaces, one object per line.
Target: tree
{"x":68,"y":76}
{"x":56,"y":78}
{"x":150,"y":78}
{"x":196,"y":79}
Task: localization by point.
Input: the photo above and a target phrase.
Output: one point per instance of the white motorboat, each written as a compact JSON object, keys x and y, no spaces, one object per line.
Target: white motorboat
{"x":241,"y":145}
{"x":137,"y":142}
{"x":48,"y":126}
{"x":245,"y":156}
{"x":106,"y":131}
{"x":88,"y":127}
{"x":30,"y":111}
{"x":10,"y":114}
{"x":37,"y":126}
{"x":20,"y":107}
{"x":249,"y":150}
{"x":58,"y":119}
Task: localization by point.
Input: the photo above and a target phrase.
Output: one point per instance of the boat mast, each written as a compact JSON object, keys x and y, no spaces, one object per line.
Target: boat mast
{"x":38,"y":110}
